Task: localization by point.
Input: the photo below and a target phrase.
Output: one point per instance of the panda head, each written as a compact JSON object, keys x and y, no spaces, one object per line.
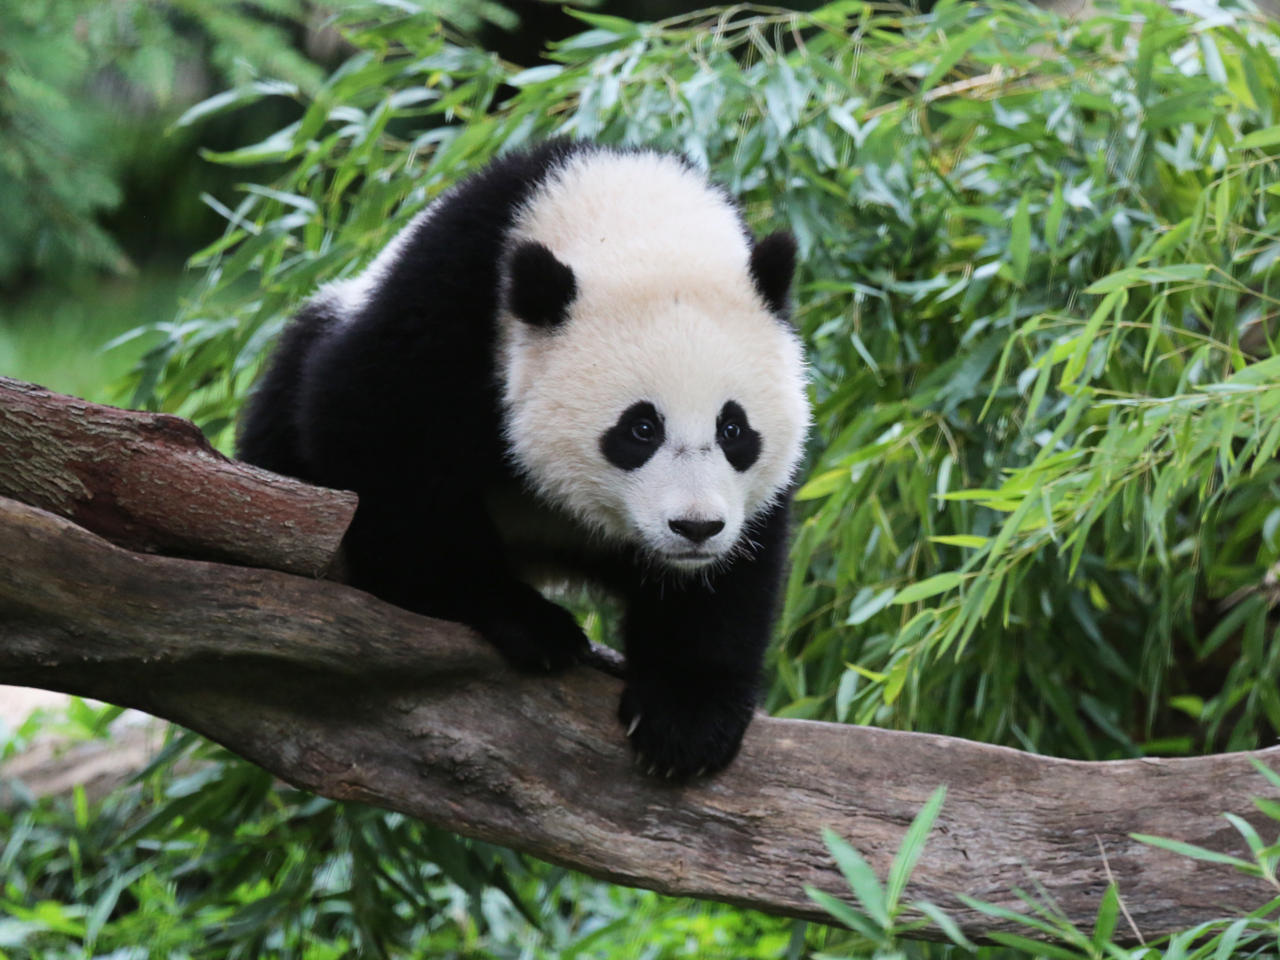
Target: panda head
{"x":653,"y":386}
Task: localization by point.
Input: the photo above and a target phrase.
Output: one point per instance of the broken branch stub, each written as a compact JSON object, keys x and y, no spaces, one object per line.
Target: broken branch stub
{"x":151,"y":482}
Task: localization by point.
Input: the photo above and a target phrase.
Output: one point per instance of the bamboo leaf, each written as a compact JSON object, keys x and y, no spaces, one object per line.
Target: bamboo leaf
{"x":1193,"y":851}
{"x":908,"y":855}
{"x":1259,"y":139}
{"x":862,"y":879}
{"x":932,"y":586}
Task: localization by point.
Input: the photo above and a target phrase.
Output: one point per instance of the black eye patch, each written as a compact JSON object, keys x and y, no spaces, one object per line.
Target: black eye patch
{"x":741,"y":444}
{"x":636,"y":437}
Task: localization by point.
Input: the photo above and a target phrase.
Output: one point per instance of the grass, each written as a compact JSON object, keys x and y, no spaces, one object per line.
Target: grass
{"x":55,"y":336}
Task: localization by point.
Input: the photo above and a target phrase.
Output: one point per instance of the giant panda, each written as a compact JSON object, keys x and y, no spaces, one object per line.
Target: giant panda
{"x":575,"y":364}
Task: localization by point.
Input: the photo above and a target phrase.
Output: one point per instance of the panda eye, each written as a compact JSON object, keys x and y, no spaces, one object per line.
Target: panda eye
{"x":634,"y":437}
{"x":741,"y":444}
{"x":644,"y":430}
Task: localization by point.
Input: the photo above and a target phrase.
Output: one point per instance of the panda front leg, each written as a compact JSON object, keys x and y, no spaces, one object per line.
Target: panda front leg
{"x":448,"y":563}
{"x":532,"y":632}
{"x":695,"y":647}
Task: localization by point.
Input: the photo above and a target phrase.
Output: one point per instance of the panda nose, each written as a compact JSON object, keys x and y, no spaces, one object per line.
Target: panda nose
{"x":696,"y":530}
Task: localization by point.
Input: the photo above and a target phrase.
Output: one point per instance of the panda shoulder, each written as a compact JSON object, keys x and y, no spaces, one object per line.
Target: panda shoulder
{"x":481,"y":197}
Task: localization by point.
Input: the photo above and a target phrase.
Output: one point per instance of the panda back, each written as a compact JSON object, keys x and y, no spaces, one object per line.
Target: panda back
{"x":401,"y":381}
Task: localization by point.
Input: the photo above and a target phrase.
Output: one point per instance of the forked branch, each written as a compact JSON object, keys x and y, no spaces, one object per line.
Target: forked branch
{"x":339,"y":693}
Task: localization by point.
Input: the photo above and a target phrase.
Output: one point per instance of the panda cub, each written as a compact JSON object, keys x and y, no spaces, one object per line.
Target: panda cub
{"x":575,"y":364}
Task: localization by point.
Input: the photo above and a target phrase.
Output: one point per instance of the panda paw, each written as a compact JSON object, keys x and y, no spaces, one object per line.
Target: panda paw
{"x":681,"y":736}
{"x":534,"y":634}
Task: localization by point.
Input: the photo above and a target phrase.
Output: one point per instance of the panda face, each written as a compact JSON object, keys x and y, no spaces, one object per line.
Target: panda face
{"x":688,"y":482}
{"x":664,"y":426}
{"x":650,"y":387}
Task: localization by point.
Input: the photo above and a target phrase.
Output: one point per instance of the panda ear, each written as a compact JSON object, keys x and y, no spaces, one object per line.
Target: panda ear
{"x":773,"y":262}
{"x":540,"y":287}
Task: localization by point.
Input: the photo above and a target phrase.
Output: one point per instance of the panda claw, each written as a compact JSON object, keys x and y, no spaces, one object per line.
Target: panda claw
{"x":671,"y":773}
{"x":653,"y":769}
{"x":702,"y":771}
{"x":635,"y":722}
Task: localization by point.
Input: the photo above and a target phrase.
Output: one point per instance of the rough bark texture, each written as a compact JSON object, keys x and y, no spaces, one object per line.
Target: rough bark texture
{"x":151,"y":482}
{"x":339,"y":693}
{"x":352,"y":698}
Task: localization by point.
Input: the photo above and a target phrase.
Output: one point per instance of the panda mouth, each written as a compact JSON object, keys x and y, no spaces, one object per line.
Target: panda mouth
{"x":697,"y":556}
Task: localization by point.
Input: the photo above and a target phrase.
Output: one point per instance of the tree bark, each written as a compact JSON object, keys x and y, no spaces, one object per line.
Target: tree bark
{"x":151,"y":482}
{"x":352,"y":698}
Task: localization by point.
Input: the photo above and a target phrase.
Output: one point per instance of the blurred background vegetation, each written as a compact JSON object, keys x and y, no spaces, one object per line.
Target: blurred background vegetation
{"x":1040,"y":288}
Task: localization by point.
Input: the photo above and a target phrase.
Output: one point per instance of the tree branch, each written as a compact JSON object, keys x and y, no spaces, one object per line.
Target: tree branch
{"x":151,"y":482}
{"x":352,"y":698}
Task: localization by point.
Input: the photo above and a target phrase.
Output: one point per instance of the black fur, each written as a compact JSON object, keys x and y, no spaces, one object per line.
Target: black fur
{"x":694,"y":649}
{"x":541,"y":287}
{"x":741,"y":444}
{"x":270,"y":434}
{"x":636,"y":437}
{"x":399,"y":404}
{"x":773,"y":263}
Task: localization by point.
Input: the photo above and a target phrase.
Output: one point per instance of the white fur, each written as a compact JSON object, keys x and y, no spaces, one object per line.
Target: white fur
{"x":665,"y":312}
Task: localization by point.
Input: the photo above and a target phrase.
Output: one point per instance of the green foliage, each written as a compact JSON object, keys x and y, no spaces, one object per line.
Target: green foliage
{"x":77,"y":82}
{"x":58,"y":337}
{"x":1051,"y":460}
{"x":877,"y":927}
{"x":206,"y":857}
{"x":1039,"y":267}
{"x":88,"y":91}
{"x":1039,"y":287}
